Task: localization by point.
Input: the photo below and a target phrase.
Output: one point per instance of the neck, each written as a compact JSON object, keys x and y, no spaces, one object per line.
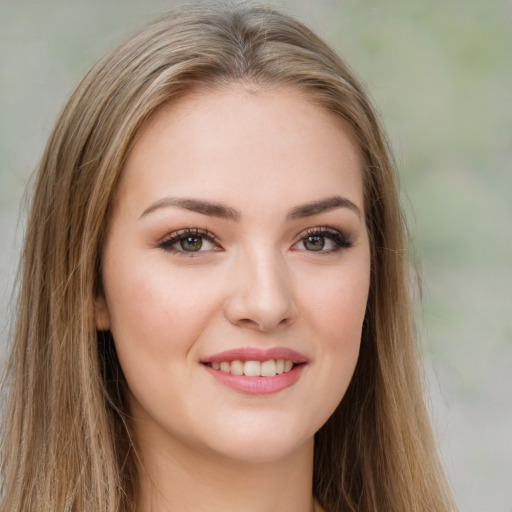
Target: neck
{"x":187,"y":480}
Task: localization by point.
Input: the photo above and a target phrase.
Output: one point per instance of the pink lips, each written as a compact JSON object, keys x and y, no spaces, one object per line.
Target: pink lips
{"x":257,"y":385}
{"x":256,"y":354}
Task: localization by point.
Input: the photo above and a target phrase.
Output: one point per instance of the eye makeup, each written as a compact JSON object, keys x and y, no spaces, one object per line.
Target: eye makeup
{"x":323,"y":240}
{"x":190,"y":242}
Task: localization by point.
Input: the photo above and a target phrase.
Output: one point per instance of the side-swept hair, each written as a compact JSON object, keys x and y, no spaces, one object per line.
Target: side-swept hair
{"x":67,"y":442}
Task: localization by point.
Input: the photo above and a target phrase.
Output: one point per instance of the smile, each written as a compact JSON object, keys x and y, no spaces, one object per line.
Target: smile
{"x":256,"y":371}
{"x":269,"y":368}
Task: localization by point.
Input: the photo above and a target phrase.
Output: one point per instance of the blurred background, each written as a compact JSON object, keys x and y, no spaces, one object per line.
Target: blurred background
{"x":440,"y":72}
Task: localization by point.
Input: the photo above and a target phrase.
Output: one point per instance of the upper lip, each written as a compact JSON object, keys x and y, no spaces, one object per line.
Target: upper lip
{"x":256,"y":354}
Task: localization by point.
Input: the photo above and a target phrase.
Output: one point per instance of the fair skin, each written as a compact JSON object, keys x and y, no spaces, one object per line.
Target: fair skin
{"x":238,"y":225}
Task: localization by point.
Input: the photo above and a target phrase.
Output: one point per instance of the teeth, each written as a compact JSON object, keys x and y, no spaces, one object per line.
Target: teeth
{"x":237,"y":368}
{"x":252,"y":368}
{"x":269,"y":368}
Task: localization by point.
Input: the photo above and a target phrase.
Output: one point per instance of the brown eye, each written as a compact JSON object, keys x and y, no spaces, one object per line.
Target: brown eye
{"x":188,"y":242}
{"x":323,"y":240}
{"x":314,"y":243}
{"x":191,"y":243}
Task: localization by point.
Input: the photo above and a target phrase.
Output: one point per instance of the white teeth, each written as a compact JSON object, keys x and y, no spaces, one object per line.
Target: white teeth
{"x":252,"y":368}
{"x":237,"y":367}
{"x":269,"y":368}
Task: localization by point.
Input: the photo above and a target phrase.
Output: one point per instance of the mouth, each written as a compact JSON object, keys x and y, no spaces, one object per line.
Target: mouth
{"x":256,"y":371}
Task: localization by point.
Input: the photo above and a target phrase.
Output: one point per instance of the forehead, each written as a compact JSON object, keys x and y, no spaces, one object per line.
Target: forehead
{"x":238,"y":136}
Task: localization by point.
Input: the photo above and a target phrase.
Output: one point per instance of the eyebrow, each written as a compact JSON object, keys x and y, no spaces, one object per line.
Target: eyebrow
{"x":226,"y":212}
{"x":324,"y":205}
{"x":196,"y":205}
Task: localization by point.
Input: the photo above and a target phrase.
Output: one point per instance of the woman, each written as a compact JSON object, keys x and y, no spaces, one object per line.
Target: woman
{"x":214,"y":311}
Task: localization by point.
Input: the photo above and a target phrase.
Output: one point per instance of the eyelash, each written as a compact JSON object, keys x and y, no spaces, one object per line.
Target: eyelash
{"x":340,"y":239}
{"x":168,"y":242}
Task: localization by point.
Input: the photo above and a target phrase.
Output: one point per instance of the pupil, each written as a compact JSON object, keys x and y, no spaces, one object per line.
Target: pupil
{"x":315,"y":243}
{"x":191,"y":243}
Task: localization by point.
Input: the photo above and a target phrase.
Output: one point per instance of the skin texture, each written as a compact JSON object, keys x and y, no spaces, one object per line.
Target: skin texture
{"x":257,"y":284}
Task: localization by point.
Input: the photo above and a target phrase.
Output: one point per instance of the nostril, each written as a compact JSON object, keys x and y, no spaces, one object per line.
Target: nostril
{"x":264,"y":324}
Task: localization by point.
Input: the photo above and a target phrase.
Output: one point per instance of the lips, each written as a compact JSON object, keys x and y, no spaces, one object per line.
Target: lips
{"x":256,"y":354}
{"x":256,"y":371}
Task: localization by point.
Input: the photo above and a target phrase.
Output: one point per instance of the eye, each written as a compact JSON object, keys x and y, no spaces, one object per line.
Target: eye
{"x":314,"y":242}
{"x":323,"y":240}
{"x":189,"y":241}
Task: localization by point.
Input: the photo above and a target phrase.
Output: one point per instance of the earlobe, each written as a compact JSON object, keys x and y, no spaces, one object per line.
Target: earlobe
{"x":101,"y":314}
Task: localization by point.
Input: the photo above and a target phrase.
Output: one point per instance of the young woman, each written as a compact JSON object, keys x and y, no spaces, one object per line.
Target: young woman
{"x":214,"y":308}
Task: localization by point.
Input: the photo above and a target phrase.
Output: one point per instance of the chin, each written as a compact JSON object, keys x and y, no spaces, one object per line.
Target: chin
{"x":265,"y":452}
{"x":258,"y":444}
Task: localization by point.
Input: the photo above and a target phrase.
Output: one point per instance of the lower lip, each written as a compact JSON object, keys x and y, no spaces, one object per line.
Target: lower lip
{"x":257,"y":385}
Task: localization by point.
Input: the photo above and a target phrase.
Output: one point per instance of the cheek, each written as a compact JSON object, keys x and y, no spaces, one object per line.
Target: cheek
{"x":156,"y":319}
{"x":336,"y":312}
{"x":154,"y":313}
{"x":338,"y":307}
{"x":339,"y":324}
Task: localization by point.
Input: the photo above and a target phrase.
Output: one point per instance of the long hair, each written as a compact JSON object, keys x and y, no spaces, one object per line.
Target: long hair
{"x":67,"y":443}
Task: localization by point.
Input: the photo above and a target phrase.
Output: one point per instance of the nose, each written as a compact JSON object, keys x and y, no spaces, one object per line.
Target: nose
{"x":261,"y":295}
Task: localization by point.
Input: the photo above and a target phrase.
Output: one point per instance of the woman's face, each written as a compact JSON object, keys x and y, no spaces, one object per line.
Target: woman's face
{"x":235,"y":273}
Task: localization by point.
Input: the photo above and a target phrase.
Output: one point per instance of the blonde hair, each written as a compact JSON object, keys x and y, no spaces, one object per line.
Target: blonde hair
{"x":67,"y":438}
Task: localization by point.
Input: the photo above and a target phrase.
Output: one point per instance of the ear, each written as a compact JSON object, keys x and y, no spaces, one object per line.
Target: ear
{"x":101,"y":314}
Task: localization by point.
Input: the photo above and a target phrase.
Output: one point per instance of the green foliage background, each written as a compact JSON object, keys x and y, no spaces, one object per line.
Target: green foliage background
{"x":441,"y":74}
